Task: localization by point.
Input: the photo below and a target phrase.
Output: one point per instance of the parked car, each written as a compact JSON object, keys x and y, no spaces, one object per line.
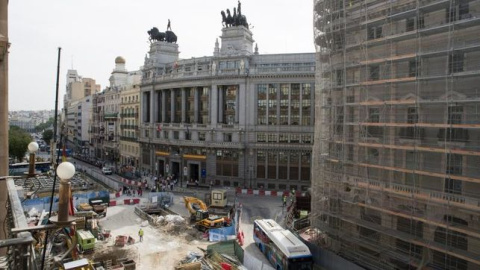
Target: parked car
{"x":106,"y":170}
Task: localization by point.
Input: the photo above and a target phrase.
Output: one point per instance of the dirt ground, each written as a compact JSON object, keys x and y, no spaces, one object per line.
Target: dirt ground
{"x":163,"y":246}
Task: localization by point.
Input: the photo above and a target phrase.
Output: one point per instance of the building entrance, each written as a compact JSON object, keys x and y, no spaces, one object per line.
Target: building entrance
{"x":161,"y":167}
{"x":194,"y":174}
{"x":176,"y":170}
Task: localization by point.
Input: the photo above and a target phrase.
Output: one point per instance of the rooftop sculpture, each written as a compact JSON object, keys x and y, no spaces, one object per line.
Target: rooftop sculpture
{"x":167,"y":36}
{"x":236,"y":20}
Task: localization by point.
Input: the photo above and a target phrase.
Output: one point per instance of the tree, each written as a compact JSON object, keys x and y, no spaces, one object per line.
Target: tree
{"x":47,"y":136}
{"x":18,"y":140}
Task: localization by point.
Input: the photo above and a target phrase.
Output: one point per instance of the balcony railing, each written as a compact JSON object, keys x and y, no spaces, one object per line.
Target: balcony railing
{"x":453,"y":134}
{"x":129,"y":127}
{"x":129,"y":115}
{"x":411,"y":133}
{"x":21,"y":253}
{"x":129,"y":139}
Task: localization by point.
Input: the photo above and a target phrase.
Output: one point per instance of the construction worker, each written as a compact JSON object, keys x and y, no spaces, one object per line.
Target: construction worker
{"x":284,"y":200}
{"x":140,"y":234}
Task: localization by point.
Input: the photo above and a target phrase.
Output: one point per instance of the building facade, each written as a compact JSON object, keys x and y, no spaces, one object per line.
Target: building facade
{"x":396,"y":149}
{"x":237,"y":118}
{"x":129,"y":122}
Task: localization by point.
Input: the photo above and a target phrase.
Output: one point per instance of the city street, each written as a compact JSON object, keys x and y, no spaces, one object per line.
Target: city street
{"x":253,"y":207}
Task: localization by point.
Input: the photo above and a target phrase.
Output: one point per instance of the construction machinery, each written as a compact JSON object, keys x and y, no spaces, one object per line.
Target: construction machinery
{"x":199,"y":213}
{"x":197,"y":208}
{"x":218,"y":203}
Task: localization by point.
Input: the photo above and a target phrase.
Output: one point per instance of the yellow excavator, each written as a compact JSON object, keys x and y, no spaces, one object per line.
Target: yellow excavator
{"x":200,"y":215}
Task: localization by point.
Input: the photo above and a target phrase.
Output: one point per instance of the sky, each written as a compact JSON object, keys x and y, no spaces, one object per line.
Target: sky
{"x":92,"y":33}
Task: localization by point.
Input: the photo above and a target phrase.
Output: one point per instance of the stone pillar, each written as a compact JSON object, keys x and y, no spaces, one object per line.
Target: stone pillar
{"x":164,"y":106}
{"x":214,"y":105}
{"x":237,"y":104}
{"x":220,"y":105}
{"x":172,"y":106}
{"x":3,"y":116}
{"x":156,"y":108}
{"x":196,"y":102}
{"x":152,"y":115}
{"x":184,"y":104}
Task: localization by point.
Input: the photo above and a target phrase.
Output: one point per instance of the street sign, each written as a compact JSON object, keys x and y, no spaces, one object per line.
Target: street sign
{"x":167,"y":168}
{"x":185,"y":170}
{"x":204,"y":173}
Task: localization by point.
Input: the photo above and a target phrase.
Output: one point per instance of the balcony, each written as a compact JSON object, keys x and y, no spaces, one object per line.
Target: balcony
{"x":21,"y":253}
{"x":125,"y":115}
{"x":453,"y":134}
{"x":110,"y":116}
{"x":411,"y":133}
{"x":129,"y":139}
{"x":135,"y":127}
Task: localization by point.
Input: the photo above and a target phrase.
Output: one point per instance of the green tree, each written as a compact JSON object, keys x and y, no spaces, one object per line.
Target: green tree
{"x":47,"y":136}
{"x":18,"y":140}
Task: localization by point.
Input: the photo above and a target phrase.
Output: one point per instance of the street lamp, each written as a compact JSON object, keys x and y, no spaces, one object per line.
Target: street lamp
{"x":65,"y":171}
{"x":32,"y":148}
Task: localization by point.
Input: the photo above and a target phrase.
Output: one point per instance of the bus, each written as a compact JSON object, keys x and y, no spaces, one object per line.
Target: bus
{"x":19,"y":169}
{"x":281,"y":247}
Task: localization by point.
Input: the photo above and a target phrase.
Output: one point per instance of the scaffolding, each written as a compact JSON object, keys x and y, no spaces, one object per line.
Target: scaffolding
{"x":396,"y":181}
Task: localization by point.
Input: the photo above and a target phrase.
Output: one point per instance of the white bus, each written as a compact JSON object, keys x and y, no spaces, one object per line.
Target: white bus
{"x":281,"y":247}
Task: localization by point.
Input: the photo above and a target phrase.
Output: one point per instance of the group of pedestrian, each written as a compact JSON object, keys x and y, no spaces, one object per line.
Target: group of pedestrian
{"x":133,"y":191}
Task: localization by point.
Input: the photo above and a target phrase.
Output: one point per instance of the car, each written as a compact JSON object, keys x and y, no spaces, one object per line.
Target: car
{"x":106,"y":170}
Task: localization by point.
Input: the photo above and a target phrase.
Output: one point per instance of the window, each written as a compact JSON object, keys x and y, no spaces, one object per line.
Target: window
{"x":410,"y":24}
{"x":413,"y":68}
{"x":450,"y":14}
{"x":455,"y":62}
{"x":454,"y":166}
{"x":421,"y":20}
{"x":374,"y":73}
{"x":227,"y":137}
{"x":339,"y":75}
{"x":374,"y":115}
{"x":412,"y":115}
{"x":455,"y":114}
{"x":463,"y":10}
{"x":374,"y":32}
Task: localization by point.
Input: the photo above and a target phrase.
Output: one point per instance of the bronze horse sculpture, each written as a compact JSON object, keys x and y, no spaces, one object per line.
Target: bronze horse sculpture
{"x":156,"y":35}
{"x":236,"y":20}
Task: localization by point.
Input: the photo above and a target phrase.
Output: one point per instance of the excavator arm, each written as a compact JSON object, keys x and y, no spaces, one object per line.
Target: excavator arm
{"x":193,"y":205}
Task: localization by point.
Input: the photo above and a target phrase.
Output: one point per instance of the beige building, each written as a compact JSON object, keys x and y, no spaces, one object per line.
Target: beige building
{"x":396,"y":152}
{"x":129,"y":120}
{"x":78,"y":87}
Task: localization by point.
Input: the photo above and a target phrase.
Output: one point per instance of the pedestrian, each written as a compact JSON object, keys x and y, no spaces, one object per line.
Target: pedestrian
{"x":284,"y":200}
{"x":140,"y":234}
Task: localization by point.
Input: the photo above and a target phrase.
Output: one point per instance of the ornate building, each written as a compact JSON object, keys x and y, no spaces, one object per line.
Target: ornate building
{"x":237,"y":118}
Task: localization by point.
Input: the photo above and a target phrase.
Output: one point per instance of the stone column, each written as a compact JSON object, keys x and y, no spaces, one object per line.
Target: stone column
{"x":221,"y":98}
{"x":152,"y":115}
{"x":156,"y":106}
{"x":184,"y":104}
{"x":3,"y":116}
{"x":172,"y":105}
{"x":214,"y":105}
{"x":164,"y":106}
{"x":196,"y":102}
{"x":237,"y":104}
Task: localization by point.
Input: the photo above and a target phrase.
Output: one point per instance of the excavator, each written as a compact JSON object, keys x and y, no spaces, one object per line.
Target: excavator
{"x":200,"y":215}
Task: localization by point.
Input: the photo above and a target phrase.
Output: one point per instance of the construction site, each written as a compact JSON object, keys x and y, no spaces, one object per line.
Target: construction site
{"x":396,"y":149}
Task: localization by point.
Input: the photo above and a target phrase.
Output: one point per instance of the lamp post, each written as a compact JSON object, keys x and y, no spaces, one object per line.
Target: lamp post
{"x":32,"y":148}
{"x":65,"y":172}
